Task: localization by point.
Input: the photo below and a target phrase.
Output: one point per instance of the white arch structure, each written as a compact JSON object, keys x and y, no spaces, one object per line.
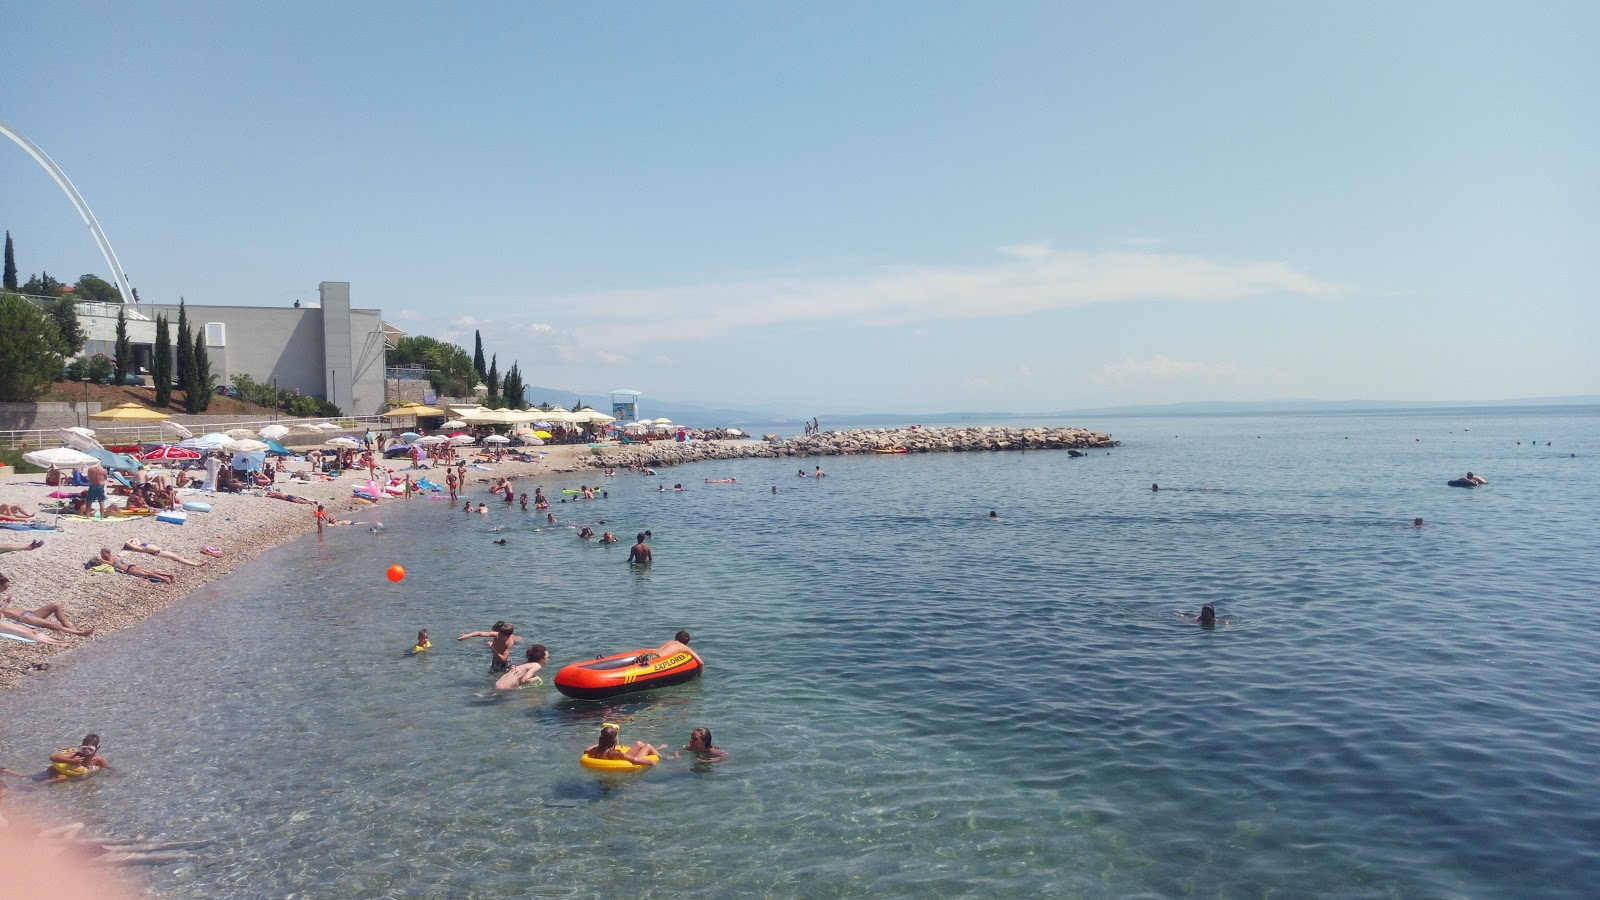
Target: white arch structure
{"x":79,"y":204}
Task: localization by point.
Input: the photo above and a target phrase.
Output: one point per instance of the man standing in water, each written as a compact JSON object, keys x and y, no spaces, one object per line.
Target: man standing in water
{"x":500,"y":645}
{"x":640,"y":553}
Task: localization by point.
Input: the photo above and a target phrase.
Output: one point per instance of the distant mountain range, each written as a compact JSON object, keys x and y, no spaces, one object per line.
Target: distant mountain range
{"x":706,"y":415}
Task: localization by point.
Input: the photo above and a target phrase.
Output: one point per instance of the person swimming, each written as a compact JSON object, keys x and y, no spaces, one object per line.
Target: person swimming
{"x":423,"y":643}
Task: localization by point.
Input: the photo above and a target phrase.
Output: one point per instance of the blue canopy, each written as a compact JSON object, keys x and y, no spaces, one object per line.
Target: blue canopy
{"x":116,"y":462}
{"x":276,"y":449}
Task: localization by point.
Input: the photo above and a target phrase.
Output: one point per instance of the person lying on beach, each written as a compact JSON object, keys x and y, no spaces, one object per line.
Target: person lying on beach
{"x":700,"y":747}
{"x":12,"y":511}
{"x":280,"y":495}
{"x":527,"y":673}
{"x":638,"y":753}
{"x":138,"y":546}
{"x":27,"y":634}
{"x":13,"y":548}
{"x":74,"y":762}
{"x":40,"y":617}
{"x":502,"y":639}
{"x":127,"y":568}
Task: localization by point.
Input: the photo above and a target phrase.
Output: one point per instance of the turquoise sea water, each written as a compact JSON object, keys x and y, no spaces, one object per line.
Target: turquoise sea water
{"x":918,"y":702}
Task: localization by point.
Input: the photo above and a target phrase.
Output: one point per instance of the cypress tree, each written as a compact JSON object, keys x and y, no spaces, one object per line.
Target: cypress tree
{"x":477,"y":357}
{"x":161,"y":363}
{"x":185,"y":347}
{"x":492,"y":382}
{"x":11,"y":265}
{"x":124,"y":351}
{"x":201,"y":379}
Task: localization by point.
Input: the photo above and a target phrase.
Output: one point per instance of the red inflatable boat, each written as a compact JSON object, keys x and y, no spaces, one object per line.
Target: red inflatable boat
{"x":609,"y":676}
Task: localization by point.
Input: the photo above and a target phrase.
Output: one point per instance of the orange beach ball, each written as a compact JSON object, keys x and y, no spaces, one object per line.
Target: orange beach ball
{"x":396,"y":573}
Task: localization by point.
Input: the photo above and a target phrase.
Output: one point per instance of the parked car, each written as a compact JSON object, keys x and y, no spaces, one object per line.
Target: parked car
{"x":227,"y":391}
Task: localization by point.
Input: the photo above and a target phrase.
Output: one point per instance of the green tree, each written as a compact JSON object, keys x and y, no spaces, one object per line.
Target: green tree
{"x":96,"y":368}
{"x":124,"y":350}
{"x":449,"y":367}
{"x":511,"y":389}
{"x":65,"y":311}
{"x":42,"y":285}
{"x":161,"y":362}
{"x":94,"y":289}
{"x":11,"y":265}
{"x":185,"y":347}
{"x":30,"y":360}
{"x":492,"y":382}
{"x":205,"y":380}
{"x":477,"y":355}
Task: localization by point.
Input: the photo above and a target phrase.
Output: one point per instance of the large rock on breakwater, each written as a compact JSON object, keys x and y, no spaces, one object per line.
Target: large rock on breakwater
{"x":870,"y":440}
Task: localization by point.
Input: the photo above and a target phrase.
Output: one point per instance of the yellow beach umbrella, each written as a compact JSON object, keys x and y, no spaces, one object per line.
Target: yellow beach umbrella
{"x":414,"y":409}
{"x":542,"y":434}
{"x":129,"y":412}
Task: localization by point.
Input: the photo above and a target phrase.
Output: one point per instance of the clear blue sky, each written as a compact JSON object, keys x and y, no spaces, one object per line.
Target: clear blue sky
{"x":848,"y":207}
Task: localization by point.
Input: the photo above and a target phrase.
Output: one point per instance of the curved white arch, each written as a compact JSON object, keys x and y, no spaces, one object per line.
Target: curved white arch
{"x":39,"y":156}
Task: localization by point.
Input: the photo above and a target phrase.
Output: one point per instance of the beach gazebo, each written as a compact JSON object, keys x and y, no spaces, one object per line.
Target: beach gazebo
{"x":129,"y":412}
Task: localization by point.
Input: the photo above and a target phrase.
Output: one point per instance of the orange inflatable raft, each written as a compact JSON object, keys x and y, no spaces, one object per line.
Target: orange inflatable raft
{"x":624,"y":673}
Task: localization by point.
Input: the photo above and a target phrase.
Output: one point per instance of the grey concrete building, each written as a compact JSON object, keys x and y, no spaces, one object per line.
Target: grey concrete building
{"x":330,"y":350}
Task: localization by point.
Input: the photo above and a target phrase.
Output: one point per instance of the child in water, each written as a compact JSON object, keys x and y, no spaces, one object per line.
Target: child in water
{"x":422,"y":642}
{"x":700,"y":747}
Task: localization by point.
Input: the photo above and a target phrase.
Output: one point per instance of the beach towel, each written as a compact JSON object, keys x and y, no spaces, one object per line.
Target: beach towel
{"x":99,"y":567}
{"x":17,"y":637}
{"x":28,"y":526}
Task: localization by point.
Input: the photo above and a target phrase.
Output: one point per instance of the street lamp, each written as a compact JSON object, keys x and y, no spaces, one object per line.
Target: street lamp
{"x":84,"y":411}
{"x":275,"y":395}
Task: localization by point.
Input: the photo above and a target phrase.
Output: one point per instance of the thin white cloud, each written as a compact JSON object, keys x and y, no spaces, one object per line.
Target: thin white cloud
{"x":408,"y":315}
{"x":1030,"y":278}
{"x":1159,"y":366}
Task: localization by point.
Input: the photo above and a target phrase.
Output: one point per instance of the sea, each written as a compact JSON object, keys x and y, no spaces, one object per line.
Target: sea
{"x":917,"y":700}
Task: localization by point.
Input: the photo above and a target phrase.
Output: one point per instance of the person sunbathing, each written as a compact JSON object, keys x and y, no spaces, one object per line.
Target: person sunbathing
{"x":39,"y":618}
{"x":14,"y":512}
{"x":127,"y":568}
{"x":280,"y":495}
{"x":32,"y":545}
{"x":138,"y":546}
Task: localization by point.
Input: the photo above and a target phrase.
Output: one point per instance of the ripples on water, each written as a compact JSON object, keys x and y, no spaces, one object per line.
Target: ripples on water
{"x":919,"y":702}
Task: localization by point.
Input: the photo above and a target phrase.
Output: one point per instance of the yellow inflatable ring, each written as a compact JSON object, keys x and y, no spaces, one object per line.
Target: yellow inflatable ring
{"x":614,"y":765}
{"x":72,"y":771}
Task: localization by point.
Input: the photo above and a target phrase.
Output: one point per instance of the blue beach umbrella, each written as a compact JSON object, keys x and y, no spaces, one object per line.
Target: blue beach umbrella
{"x":116,"y":462}
{"x":409,"y":436}
{"x":276,"y":449}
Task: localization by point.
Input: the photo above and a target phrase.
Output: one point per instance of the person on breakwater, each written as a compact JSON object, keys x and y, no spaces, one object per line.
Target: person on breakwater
{"x":502,"y":639}
{"x":527,"y":673}
{"x":640,"y":553}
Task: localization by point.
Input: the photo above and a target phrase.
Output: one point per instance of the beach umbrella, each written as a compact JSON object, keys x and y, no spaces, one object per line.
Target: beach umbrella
{"x":533,"y":440}
{"x":455,"y":423}
{"x":314,"y":427}
{"x":176,"y":429}
{"x":497,"y":439}
{"x":661,"y":421}
{"x":116,"y":462}
{"x":432,"y":439}
{"x":409,"y":436}
{"x":61,"y":458}
{"x":248,"y":462}
{"x":79,"y":438}
{"x":542,"y":434}
{"x":171,"y":452}
{"x":245,"y":445}
{"x":328,"y":426}
{"x":239,"y":433}
{"x":344,"y":443}
{"x":211,"y":441}
{"x":276,"y":449}
{"x":413,"y":409}
{"x":272,"y":432}
{"x":461,"y":440}
{"x":128,"y":412}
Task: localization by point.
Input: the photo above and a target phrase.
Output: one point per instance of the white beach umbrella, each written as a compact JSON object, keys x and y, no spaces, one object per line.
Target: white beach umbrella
{"x":309,"y":426}
{"x":497,"y":439}
{"x":461,"y":440}
{"x":80,"y":438}
{"x":328,"y":426}
{"x":432,"y":439}
{"x":211,"y":441}
{"x":61,"y":458}
{"x":240,"y":433}
{"x":272,"y":432}
{"x":454,"y":423}
{"x":344,"y":443}
{"x":175,"y":428}
{"x":245,"y":445}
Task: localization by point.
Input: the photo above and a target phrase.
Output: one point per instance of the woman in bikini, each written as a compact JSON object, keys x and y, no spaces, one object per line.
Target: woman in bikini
{"x":138,"y":546}
{"x":127,"y":568}
{"x":39,"y":618}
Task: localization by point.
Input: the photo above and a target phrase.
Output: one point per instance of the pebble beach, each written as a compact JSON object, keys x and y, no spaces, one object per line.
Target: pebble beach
{"x":242,"y":526}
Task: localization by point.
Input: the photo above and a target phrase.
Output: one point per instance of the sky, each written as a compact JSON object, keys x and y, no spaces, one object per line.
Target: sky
{"x":838,"y":207}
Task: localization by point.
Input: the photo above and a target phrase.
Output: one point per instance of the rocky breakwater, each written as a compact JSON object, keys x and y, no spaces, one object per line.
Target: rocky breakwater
{"x":869,"y":440}
{"x":943,"y":440}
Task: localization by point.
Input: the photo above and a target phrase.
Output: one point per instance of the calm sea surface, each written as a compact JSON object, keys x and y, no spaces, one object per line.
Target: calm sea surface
{"x":918,"y":702}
